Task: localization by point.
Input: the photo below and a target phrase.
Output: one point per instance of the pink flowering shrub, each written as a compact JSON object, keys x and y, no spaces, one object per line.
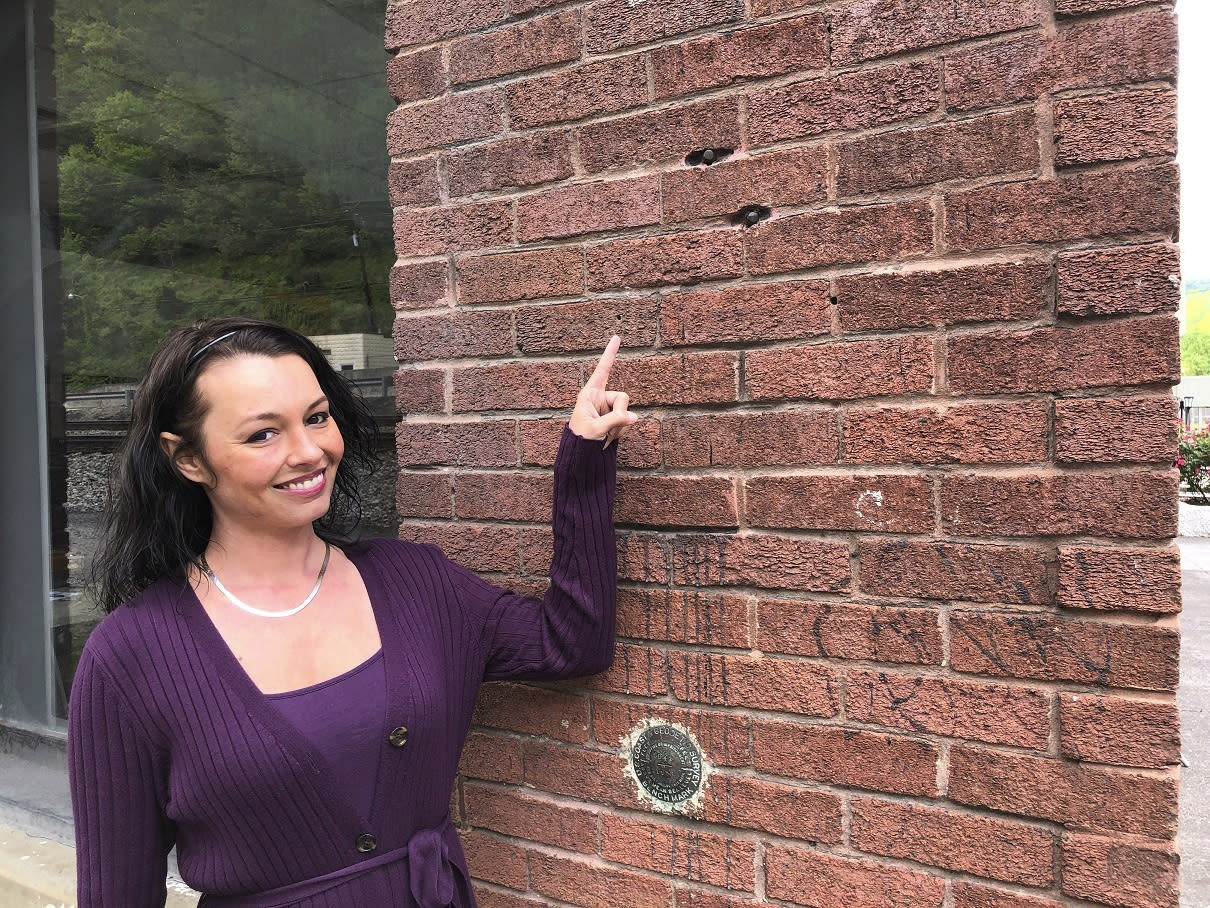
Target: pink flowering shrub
{"x":1193,"y":461}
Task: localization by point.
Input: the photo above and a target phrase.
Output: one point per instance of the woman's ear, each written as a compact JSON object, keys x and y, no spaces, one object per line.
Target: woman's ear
{"x":188,"y":464}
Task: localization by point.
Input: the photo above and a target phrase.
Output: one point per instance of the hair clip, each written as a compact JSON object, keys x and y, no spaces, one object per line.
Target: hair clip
{"x":207,"y":346}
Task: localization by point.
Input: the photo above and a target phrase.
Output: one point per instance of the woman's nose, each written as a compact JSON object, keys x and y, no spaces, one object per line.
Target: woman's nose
{"x":303,"y":448}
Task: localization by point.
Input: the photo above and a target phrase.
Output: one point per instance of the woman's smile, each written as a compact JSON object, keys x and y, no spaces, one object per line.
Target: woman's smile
{"x":308,"y":485}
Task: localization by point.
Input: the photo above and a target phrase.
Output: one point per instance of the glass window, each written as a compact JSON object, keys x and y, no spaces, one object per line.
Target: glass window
{"x":200,"y":159}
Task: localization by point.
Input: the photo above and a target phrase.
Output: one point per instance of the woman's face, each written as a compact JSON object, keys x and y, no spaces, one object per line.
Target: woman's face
{"x":269,"y":444}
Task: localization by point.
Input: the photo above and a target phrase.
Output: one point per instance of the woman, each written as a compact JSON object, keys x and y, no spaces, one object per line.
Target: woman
{"x":286,"y":707}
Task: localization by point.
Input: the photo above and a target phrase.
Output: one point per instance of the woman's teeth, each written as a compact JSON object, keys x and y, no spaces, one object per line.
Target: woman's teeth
{"x":302,"y":485}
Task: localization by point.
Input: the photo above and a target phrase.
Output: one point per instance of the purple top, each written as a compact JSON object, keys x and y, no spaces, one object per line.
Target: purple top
{"x":170,"y":741}
{"x":340,"y":717}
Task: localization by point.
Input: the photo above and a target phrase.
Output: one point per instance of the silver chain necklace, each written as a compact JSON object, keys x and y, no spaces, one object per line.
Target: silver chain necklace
{"x":265,"y":613}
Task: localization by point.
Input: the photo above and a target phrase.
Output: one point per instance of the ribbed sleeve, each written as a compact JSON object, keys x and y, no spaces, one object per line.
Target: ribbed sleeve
{"x":122,"y":838}
{"x":570,"y":631}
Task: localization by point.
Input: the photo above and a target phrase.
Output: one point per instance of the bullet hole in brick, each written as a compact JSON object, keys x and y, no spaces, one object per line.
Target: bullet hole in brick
{"x":832,"y":301}
{"x":707,"y":156}
{"x":750,"y":215}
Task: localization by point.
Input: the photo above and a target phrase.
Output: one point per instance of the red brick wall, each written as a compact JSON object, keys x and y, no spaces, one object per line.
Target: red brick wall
{"x":894,"y":530}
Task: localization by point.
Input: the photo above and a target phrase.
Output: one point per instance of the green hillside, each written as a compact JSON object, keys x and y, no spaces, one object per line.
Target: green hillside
{"x":1195,"y":342}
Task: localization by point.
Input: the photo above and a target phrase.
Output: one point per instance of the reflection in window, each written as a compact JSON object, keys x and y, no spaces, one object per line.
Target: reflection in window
{"x":201,"y":160}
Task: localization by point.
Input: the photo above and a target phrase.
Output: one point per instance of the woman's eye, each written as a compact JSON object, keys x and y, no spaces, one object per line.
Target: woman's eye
{"x":317,"y":419}
{"x":262,"y":435}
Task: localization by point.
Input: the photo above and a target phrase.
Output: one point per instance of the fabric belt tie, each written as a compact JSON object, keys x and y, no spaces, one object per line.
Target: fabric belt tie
{"x":430,"y":875}
{"x":430,"y":871}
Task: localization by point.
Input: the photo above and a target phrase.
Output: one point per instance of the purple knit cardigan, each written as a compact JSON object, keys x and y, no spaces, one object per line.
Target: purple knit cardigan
{"x":170,"y":742}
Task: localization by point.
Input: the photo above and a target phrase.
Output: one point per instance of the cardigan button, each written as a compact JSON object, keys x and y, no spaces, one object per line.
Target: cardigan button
{"x":366,"y":843}
{"x":398,"y":736}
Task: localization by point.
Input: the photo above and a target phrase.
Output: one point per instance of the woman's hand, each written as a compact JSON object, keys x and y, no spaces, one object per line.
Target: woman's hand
{"x":601,"y":414}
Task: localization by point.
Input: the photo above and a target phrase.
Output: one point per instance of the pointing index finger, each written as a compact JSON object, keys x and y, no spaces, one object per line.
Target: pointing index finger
{"x":600,"y":375}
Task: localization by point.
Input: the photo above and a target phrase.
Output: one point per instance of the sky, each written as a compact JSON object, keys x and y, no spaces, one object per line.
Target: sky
{"x":1193,"y":127}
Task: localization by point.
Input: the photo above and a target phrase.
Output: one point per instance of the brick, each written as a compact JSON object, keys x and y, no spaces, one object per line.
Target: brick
{"x":660,"y":135}
{"x":493,"y":758}
{"x":724,"y":736}
{"x":413,"y":182}
{"x":824,"y":880}
{"x":696,"y":898}
{"x":839,"y":371}
{"x":637,"y":670}
{"x":770,"y":562}
{"x":1080,"y":7}
{"x":516,"y":386}
{"x":975,"y":433}
{"x":868,"y":29}
{"x":1056,"y":649}
{"x":522,"y":161}
{"x":687,"y":853}
{"x":772,"y":7}
{"x":792,"y":45}
{"x":1084,"y":205}
{"x":868,"y":233}
{"x":787,"y":437}
{"x":590,"y":885}
{"x":459,"y":334}
{"x":613,"y":24}
{"x":478,"y":444}
{"x":1102,"y":52}
{"x":791,"y":811}
{"x":683,"y":378}
{"x":755,"y":683}
{"x":842,"y":756}
{"x":983,"y":846}
{"x":950,"y":707}
{"x":752,"y":312}
{"x":797,"y":177}
{"x":514,"y":814}
{"x":860,"y":100}
{"x":1006,"y":143}
{"x":705,"y":501}
{"x":420,"y":390}
{"x":520,"y":276}
{"x":678,"y":616}
{"x":1120,"y":579}
{"x":1138,"y":504}
{"x":643,"y":557}
{"x":418,"y":75}
{"x":1122,"y":127}
{"x":1112,"y":281}
{"x":1119,"y":730}
{"x":979,"y":293}
{"x":953,"y":570}
{"x":588,"y":208}
{"x":498,"y":898}
{"x":1116,"y":430}
{"x":842,"y":631}
{"x":533,"y":711}
{"x":890,"y":504}
{"x":494,"y":860}
{"x":585,"y":774}
{"x":1134,"y":352}
{"x":1115,"y":872}
{"x":502,"y":496}
{"x":579,"y":92}
{"x":419,"y":286}
{"x":968,"y":895}
{"x":445,"y":121}
{"x":422,"y":494}
{"x":517,"y":48}
{"x":425,"y":21}
{"x":676,"y":258}
{"x":436,"y":231}
{"x":479,"y":548}
{"x":540,"y":442}
{"x":1073,"y":794}
{"x":587,"y":325}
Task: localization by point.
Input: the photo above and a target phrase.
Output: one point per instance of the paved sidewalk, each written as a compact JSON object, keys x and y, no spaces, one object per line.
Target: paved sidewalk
{"x":1194,"y":699}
